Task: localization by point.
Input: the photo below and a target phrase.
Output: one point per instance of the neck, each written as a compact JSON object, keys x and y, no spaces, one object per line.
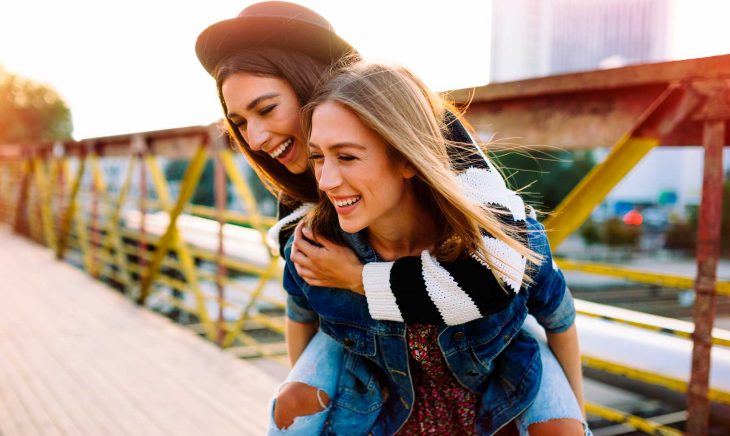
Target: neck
{"x":406,"y":233}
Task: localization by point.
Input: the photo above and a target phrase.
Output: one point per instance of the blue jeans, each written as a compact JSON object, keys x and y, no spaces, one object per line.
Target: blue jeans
{"x":321,"y":363}
{"x":555,"y":399}
{"x":319,"y":366}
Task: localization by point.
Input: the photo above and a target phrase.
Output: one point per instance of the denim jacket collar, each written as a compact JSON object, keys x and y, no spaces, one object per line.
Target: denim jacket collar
{"x":359,"y":242}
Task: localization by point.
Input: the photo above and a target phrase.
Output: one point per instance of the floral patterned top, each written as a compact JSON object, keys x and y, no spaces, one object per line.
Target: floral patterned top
{"x":442,"y":405}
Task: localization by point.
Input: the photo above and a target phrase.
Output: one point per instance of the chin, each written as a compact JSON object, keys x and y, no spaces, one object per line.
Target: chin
{"x":296,"y":169}
{"x":350,"y":227}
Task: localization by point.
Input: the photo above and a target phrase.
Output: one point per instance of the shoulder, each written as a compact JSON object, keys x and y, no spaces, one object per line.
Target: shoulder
{"x":537,"y":241}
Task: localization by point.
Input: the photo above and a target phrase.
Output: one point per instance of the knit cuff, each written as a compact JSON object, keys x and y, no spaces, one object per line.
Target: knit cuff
{"x":272,"y":235}
{"x":381,"y":300}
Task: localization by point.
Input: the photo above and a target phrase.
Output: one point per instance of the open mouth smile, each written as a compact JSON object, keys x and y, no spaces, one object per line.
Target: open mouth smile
{"x":344,"y":202}
{"x":278,"y":151}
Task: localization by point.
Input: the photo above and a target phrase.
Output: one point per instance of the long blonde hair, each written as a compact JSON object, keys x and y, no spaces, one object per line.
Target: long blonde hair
{"x":409,"y":117}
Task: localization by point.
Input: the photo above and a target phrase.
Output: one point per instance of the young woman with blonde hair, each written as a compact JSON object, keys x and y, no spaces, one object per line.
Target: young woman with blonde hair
{"x":388,"y":191}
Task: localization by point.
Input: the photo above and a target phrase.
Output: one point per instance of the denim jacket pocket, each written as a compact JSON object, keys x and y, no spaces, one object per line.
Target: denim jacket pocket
{"x":359,"y":389}
{"x":355,"y":339}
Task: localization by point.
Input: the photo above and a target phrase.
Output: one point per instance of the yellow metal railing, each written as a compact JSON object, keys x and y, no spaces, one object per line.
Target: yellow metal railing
{"x":65,"y":203}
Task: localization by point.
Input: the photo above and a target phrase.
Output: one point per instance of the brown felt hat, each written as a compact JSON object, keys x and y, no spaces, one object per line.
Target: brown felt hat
{"x":271,"y":24}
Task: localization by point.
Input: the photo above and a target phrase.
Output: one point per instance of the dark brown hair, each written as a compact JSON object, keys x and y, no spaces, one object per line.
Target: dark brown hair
{"x":304,"y":74}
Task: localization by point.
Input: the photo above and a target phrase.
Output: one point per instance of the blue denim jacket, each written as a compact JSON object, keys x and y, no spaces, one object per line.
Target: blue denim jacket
{"x":490,"y":356}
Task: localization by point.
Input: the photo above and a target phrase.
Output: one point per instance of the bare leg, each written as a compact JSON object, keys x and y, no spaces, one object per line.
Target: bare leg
{"x":556,"y":427}
{"x":298,"y":399}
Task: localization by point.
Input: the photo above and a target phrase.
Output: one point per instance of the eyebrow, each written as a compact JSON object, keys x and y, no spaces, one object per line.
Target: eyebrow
{"x":255,"y":102}
{"x":339,"y":145}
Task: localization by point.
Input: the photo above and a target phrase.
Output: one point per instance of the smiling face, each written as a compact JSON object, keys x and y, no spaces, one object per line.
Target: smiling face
{"x":265,"y":110}
{"x":366,"y":185}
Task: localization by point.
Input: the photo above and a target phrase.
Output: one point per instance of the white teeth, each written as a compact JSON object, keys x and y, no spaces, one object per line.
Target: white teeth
{"x":349,"y":201}
{"x":280,"y":149}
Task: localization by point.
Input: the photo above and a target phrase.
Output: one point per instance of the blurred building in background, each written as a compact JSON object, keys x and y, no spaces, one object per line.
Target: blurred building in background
{"x":533,"y":38}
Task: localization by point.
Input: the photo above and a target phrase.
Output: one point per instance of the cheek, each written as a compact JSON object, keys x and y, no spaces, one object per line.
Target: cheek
{"x":289,"y":116}
{"x":317,"y":167}
{"x":389,"y":176}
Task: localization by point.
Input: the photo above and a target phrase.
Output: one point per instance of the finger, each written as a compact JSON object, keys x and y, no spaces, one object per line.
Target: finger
{"x":303,"y":271}
{"x":303,"y":247}
{"x":298,"y":232}
{"x":321,"y":240}
{"x":310,"y":234}
{"x":307,"y":276}
{"x":300,"y":258}
{"x":305,"y":243}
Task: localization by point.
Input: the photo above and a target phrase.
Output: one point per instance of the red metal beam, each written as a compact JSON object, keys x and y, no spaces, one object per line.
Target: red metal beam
{"x":708,"y":251}
{"x":715,"y":67}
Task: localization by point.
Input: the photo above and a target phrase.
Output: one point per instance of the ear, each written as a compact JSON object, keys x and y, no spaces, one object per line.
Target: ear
{"x":408,"y":171}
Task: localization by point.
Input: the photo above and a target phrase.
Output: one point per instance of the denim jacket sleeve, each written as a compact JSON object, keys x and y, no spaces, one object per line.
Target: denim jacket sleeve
{"x":297,"y":305}
{"x":549,"y":298}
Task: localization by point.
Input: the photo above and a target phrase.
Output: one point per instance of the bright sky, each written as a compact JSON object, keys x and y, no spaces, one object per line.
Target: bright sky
{"x":129,"y":66}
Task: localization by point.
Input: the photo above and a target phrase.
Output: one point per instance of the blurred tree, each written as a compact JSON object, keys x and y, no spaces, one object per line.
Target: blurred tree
{"x":682,"y":233}
{"x":618,"y":234}
{"x":265,"y":200}
{"x":590,"y":233}
{"x":205,"y":190}
{"x":31,"y":112}
{"x":545,"y":178}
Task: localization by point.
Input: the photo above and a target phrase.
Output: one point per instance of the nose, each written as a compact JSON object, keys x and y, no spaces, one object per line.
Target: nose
{"x":328,"y":175}
{"x":257,"y":135}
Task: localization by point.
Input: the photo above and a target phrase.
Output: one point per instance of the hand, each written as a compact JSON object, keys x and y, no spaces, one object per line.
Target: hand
{"x":327,"y":265}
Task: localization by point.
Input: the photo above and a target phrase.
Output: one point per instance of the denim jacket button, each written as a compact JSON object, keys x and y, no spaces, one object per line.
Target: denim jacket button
{"x":459,"y":336}
{"x":349,"y":342}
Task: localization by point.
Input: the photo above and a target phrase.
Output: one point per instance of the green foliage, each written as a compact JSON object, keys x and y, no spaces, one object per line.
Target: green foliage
{"x":260,"y":193}
{"x":31,"y":112}
{"x":618,"y":234}
{"x":175,"y":169}
{"x":205,"y":190}
{"x":590,"y":233}
{"x":545,"y":178}
{"x":681,"y":235}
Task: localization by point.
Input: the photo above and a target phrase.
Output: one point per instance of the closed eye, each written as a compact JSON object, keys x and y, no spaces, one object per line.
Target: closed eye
{"x":267,"y":109}
{"x":346,"y":157}
{"x":240,"y":125}
{"x":315,"y":156}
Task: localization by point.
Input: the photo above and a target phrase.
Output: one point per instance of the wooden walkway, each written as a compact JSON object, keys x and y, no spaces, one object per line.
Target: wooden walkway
{"x":77,"y":358}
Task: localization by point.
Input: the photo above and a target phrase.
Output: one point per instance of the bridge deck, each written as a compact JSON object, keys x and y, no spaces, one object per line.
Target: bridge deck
{"x":77,"y":358}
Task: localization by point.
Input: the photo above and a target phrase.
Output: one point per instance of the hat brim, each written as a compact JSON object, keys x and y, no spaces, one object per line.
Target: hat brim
{"x":225,"y":38}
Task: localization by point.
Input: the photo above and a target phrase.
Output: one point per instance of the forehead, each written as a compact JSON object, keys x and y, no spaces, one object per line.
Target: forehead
{"x":241,"y":88}
{"x":333,"y":121}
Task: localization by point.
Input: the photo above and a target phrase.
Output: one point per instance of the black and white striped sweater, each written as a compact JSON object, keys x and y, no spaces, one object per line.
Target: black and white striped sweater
{"x":421,"y":289}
